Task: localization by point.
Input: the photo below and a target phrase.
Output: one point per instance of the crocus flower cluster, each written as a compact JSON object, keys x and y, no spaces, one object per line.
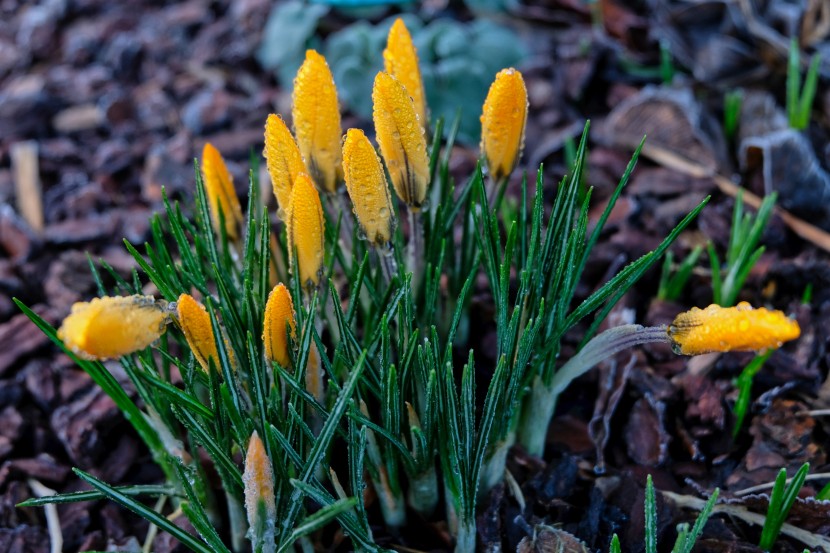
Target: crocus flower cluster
{"x":309,"y":165}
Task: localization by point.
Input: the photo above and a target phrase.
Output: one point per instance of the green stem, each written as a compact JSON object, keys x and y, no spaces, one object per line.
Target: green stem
{"x":337,"y":207}
{"x":495,"y":192}
{"x":386,"y":258}
{"x":465,"y":541}
{"x":415,"y":252}
{"x":239,"y":525}
{"x":392,"y":504}
{"x":346,"y":222}
{"x":423,"y":492}
{"x":495,"y":463}
{"x":542,"y":401}
{"x":536,"y":416}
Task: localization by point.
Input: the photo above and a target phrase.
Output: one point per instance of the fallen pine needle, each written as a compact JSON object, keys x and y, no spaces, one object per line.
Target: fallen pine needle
{"x":669,"y":159}
{"x":807,"y":538}
{"x":153,"y":530}
{"x":53,"y":523}
{"x":769,"y":485}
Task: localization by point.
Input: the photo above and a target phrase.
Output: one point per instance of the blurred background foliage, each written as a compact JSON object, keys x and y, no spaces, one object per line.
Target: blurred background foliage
{"x":458,"y":59}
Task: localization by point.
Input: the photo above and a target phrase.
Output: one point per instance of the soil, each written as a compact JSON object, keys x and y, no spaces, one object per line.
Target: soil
{"x":119,"y":98}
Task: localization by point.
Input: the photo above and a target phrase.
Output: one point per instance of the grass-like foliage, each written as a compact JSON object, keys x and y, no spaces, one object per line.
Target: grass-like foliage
{"x":673,"y":279}
{"x":781,"y":500}
{"x":390,"y":355}
{"x":800,"y":95}
{"x":364,"y":369}
{"x":732,"y":102}
{"x":744,"y":385}
{"x":686,"y":537}
{"x":742,"y":251}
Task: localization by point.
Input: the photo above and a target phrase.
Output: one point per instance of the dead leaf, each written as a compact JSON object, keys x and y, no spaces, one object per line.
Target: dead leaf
{"x":645,"y":433}
{"x":672,"y":119}
{"x":547,"y":539}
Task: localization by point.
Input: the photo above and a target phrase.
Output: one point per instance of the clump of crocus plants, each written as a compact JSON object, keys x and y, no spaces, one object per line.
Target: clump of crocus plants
{"x":324,"y":350}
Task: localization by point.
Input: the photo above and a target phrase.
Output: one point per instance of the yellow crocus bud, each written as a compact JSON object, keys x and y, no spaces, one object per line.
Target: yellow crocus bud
{"x":400,"y":59}
{"x":194,"y":321}
{"x":739,"y":328}
{"x":259,"y":495}
{"x":283,"y":158}
{"x":367,"y":188}
{"x":279,"y":321}
{"x":220,"y":192}
{"x":111,"y":327}
{"x":401,"y":139}
{"x":306,"y":231}
{"x":317,"y":121}
{"x":503,"y":123}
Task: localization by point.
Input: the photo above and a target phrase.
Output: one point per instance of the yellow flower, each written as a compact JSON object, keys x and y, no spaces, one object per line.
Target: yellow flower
{"x":283,"y":158}
{"x":367,"y":188}
{"x":400,"y":60}
{"x":739,"y":328}
{"x":113,"y":326}
{"x":194,"y":321}
{"x":401,"y":140}
{"x":503,"y":122}
{"x":279,"y":321}
{"x":306,"y":230}
{"x":317,"y":121}
{"x":259,"y":492}
{"x":220,"y":192}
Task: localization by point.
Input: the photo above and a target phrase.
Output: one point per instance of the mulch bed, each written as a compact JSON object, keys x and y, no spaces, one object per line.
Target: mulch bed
{"x":120,"y":98}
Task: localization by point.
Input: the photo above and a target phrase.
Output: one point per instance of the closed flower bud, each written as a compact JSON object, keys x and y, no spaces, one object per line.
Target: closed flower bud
{"x":220,"y":192}
{"x":739,"y":328}
{"x":306,"y":231}
{"x":194,"y":321}
{"x":401,"y":140}
{"x":401,"y":61}
{"x":283,"y":158}
{"x":367,"y":188}
{"x":279,"y":321}
{"x":503,"y":123}
{"x":112,"y":327}
{"x":317,"y":121}
{"x":260,"y":505}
